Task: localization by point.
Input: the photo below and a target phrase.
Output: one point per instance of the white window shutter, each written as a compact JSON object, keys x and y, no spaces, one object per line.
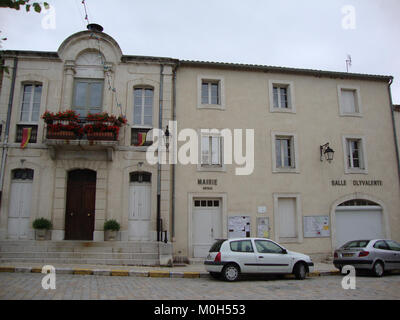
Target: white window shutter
{"x":287,"y":217}
{"x":348,"y":101}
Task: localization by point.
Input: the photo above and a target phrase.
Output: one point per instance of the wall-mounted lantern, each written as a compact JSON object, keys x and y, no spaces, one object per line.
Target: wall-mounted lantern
{"x":327,"y":151}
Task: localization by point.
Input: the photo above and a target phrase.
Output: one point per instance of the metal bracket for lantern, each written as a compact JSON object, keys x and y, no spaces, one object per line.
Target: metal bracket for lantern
{"x":327,"y":151}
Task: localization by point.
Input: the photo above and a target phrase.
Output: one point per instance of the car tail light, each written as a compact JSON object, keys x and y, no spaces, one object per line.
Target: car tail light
{"x":218,"y":257}
{"x":363,"y":254}
{"x":335,"y":255}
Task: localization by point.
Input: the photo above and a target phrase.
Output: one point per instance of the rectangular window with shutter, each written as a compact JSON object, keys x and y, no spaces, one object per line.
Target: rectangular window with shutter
{"x":354,"y":153}
{"x":284,"y":152}
{"x":30,"y":107}
{"x":210,"y":92}
{"x":211,"y":153}
{"x":349,"y":100}
{"x":281,"y":96}
{"x":143,"y":106}
{"x":287,"y":217}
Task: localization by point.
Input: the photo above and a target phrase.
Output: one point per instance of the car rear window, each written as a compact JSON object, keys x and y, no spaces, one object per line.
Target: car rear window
{"x":217,"y":245}
{"x":241,"y":246}
{"x":356,"y":244}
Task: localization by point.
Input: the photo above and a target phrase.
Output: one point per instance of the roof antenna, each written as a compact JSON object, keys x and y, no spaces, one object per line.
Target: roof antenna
{"x":348,"y":62}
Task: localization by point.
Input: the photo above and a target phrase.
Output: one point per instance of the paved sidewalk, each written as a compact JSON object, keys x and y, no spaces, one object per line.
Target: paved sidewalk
{"x":180,"y":271}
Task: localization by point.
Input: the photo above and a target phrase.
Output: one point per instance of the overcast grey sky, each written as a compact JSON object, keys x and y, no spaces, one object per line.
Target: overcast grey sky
{"x":314,"y":34}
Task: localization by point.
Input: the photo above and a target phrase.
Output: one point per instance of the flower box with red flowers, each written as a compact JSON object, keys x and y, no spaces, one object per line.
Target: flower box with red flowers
{"x":67,"y":115}
{"x":98,"y":130}
{"x":64,"y":130}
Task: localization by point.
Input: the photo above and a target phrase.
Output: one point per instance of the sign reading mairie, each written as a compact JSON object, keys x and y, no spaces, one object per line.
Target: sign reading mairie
{"x":207,"y":183}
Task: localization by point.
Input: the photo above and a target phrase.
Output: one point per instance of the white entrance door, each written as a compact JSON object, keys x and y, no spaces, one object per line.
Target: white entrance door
{"x":20,"y":209}
{"x":139,"y":211}
{"x":206,"y":225}
{"x":358,"y":223}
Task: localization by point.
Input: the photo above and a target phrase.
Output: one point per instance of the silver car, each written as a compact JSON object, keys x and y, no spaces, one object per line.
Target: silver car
{"x":377,"y":255}
{"x":229,"y":258}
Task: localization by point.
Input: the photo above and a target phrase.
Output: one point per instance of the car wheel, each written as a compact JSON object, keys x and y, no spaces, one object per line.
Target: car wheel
{"x":300,"y":271}
{"x":215,"y":275}
{"x":378,"y":269}
{"x":231,"y":272}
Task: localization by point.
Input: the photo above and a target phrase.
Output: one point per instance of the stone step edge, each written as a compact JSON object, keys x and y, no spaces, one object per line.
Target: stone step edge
{"x":99,"y":262}
{"x":75,"y":253}
{"x":138,"y":273}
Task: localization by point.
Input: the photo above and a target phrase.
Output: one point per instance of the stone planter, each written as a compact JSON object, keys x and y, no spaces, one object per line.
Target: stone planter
{"x":110,"y":235}
{"x":41,"y":234}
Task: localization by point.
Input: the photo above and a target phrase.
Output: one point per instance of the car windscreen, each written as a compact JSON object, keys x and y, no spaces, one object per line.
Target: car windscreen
{"x":356,"y":244}
{"x":217,"y":245}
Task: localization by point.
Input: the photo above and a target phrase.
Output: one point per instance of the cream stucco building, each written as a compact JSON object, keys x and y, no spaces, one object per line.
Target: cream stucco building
{"x":80,"y":183}
{"x":279,"y":185}
{"x":293,"y":195}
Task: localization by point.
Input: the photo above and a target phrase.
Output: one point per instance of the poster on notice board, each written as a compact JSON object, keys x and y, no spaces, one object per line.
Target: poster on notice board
{"x":238,"y":226}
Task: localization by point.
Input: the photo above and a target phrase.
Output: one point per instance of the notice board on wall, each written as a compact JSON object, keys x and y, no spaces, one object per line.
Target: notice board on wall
{"x":238,"y":226}
{"x":263,"y":227}
{"x":316,"y":226}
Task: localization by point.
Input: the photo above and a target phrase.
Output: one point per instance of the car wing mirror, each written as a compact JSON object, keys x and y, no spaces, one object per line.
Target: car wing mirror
{"x":284,"y":251}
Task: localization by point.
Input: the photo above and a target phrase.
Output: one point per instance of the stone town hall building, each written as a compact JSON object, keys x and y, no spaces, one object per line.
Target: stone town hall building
{"x":292,"y":194}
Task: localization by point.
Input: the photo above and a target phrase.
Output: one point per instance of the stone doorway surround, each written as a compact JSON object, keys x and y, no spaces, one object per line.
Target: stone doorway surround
{"x":60,"y":191}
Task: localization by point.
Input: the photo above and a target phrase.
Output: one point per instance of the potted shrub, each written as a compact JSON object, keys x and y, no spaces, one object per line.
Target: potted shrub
{"x":111,"y":227}
{"x":41,"y":226}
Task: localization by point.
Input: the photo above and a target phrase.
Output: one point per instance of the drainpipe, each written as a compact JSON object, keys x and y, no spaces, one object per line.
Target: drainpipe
{"x":396,"y":142}
{"x":159,"y":159}
{"x":173,"y":164}
{"x":7,"y":129}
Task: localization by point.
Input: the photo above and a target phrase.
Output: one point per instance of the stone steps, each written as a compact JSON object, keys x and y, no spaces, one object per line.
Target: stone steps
{"x":115,"y":262}
{"x":84,"y":252}
{"x":4,"y":249}
{"x":79,"y":255}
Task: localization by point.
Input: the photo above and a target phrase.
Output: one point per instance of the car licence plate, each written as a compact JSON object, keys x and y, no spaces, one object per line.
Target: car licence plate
{"x":347,"y":255}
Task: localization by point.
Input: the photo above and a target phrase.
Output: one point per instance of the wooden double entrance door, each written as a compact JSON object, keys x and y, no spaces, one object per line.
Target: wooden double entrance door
{"x":80,"y":205}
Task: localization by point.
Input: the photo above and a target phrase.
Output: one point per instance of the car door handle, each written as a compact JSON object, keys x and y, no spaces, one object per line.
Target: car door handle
{"x":261,"y":257}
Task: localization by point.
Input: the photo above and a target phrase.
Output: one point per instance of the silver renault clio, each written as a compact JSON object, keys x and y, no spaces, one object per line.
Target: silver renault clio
{"x":378,"y":255}
{"x":229,"y":258}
